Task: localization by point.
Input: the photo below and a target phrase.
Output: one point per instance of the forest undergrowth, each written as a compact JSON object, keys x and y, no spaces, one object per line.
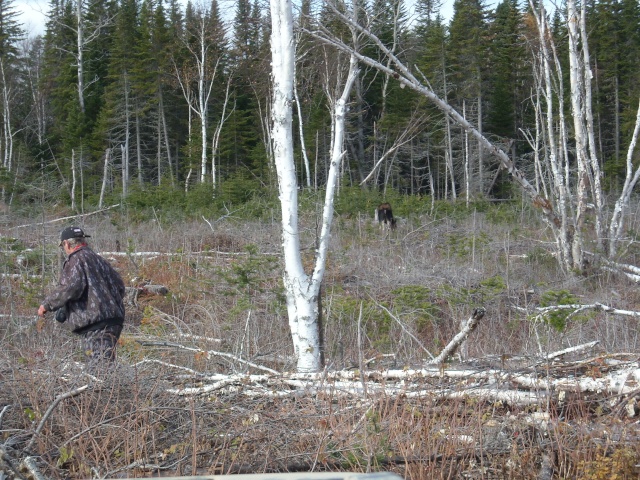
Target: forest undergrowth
{"x":391,"y":301}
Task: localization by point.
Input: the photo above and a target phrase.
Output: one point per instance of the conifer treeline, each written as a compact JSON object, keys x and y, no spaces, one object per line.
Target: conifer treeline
{"x":128,"y":94}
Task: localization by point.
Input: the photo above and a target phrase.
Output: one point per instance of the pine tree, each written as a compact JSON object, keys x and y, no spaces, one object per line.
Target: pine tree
{"x":630,"y":64}
{"x":467,"y":48}
{"x":243,"y":147}
{"x":59,"y":75}
{"x":466,"y":55}
{"x":431,"y":47}
{"x":116,"y":128}
{"x":506,"y":63}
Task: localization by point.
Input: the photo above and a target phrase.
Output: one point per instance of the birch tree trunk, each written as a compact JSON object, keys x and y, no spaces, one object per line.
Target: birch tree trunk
{"x":555,"y":156}
{"x":7,"y":154}
{"x":159,"y":150}
{"x":215,"y":138}
{"x":86,"y":32}
{"x":165,"y":134}
{"x":480,"y":187}
{"x":80,"y":53}
{"x":448,"y":146}
{"x":580,"y":134}
{"x":594,"y":164}
{"x":467,"y":175}
{"x":301,"y":310}
{"x":105,"y":172}
{"x":302,"y":290}
{"x":203,"y":102}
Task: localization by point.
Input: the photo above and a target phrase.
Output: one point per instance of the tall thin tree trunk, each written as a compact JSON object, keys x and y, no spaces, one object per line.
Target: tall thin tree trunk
{"x":360,"y":136}
{"x":80,"y":54}
{"x":556,"y":154}
{"x":204,"y":90}
{"x":159,"y":150}
{"x":577,"y":109}
{"x":127,"y":135}
{"x":305,"y":157}
{"x":215,"y":138}
{"x":480,"y":187}
{"x":616,"y":115}
{"x":302,"y":310}
{"x":190,"y":149}
{"x":467,"y":175}
{"x":7,"y":130}
{"x":595,"y":177}
{"x":105,"y":173}
{"x":73,"y":180}
{"x":448,"y":141}
{"x":302,"y":290}
{"x":167,"y":145}
{"x":139,"y":150}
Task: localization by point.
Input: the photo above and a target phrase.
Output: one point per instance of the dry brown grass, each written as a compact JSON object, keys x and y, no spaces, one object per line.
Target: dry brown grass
{"x":226,"y":295}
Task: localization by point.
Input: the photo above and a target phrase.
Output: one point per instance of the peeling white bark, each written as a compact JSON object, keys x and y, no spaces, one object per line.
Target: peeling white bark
{"x":302,"y":290}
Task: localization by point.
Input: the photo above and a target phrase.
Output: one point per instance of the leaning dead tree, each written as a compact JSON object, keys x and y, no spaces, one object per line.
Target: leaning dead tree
{"x":567,"y":202}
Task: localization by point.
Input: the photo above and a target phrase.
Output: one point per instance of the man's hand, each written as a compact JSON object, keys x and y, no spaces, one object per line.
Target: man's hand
{"x":41,"y":311}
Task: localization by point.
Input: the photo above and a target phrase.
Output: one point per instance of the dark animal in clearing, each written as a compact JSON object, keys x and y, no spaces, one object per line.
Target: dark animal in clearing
{"x":384,"y":215}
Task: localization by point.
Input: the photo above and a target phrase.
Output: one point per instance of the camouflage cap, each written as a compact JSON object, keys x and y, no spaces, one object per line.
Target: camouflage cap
{"x":72,"y":232}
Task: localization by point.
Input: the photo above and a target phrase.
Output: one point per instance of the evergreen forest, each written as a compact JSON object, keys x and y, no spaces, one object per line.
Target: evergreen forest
{"x":165,"y":103}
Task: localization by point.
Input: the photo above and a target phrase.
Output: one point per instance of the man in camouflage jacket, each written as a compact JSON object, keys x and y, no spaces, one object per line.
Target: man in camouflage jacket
{"x":88,"y":299}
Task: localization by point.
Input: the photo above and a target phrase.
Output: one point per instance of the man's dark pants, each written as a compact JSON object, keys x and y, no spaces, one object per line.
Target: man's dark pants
{"x":100,"y":346}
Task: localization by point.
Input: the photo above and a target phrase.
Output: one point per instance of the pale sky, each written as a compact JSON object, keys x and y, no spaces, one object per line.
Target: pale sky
{"x":32,"y":15}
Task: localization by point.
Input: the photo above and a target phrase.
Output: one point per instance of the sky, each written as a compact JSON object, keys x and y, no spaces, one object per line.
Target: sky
{"x":32,"y":15}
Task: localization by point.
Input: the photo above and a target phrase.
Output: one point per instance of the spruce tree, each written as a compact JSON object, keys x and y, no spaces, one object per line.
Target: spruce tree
{"x":506,"y":63}
{"x":430,"y":43}
{"x":466,"y":56}
{"x":243,"y":152}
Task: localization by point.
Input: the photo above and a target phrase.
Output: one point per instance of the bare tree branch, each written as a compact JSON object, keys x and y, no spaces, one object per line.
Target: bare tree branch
{"x":58,"y":399}
{"x":459,"y":339}
{"x":208,"y":353}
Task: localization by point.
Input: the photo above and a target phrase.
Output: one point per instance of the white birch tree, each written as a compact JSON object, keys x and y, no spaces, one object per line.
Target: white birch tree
{"x":574,"y":197}
{"x":302,"y":289}
{"x":198,"y":76}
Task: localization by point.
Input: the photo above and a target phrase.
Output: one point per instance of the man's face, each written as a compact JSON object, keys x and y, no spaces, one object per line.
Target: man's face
{"x":65,"y":246}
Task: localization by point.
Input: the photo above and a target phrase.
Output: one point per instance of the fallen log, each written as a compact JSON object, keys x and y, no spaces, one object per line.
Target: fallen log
{"x":133,"y":293}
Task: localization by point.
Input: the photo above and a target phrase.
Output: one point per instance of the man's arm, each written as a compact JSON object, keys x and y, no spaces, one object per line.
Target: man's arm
{"x":72,"y":286}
